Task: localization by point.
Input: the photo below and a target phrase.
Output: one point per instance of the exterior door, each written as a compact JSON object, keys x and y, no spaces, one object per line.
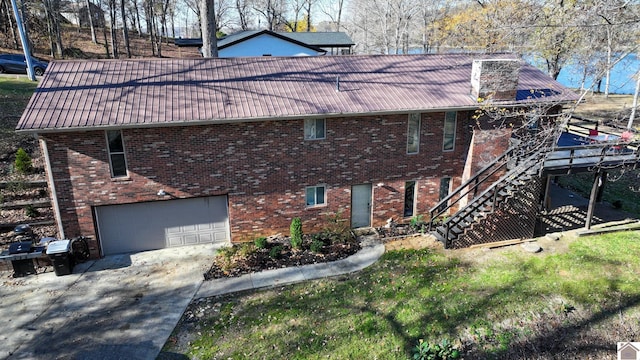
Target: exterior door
{"x":361,"y":206}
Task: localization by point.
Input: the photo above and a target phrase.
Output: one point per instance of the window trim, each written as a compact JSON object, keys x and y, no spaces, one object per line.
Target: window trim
{"x":315,"y":194}
{"x":314,"y":137}
{"x":453,"y":133}
{"x":111,"y":153}
{"x":416,"y":136}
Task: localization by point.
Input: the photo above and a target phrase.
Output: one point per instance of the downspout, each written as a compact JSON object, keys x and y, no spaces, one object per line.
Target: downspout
{"x":52,"y":187}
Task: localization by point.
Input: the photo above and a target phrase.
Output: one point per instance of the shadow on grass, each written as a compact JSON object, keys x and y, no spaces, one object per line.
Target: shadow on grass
{"x":385,"y":310}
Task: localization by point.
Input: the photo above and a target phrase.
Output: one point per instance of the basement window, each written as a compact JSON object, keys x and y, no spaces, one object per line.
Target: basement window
{"x":445,"y":188}
{"x":409,"y":198}
{"x":117,"y":161}
{"x":314,"y":129}
{"x":413,"y":134}
{"x":449,"y":137}
{"x":316,"y":195}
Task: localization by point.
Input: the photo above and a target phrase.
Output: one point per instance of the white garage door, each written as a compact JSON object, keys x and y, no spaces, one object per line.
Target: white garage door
{"x":161,"y":224}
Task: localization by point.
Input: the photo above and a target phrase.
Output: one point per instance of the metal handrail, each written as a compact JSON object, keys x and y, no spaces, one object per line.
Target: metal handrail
{"x":491,"y":192}
{"x":434,"y":212}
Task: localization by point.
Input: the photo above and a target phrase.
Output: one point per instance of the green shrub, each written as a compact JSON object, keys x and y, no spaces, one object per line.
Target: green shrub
{"x":296,"y":233}
{"x":23,"y":162}
{"x":417,"y":223}
{"x":337,"y":230}
{"x":225,"y":257}
{"x":31,"y":212}
{"x":275,"y":252}
{"x":316,"y":246}
{"x":260,"y":242}
{"x":246,"y":249}
{"x":443,"y":351}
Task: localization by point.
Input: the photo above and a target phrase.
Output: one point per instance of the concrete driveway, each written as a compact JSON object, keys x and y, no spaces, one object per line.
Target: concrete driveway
{"x":119,"y":307}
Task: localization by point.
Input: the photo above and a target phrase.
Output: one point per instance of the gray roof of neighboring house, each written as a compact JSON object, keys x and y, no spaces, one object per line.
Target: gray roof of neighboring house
{"x":315,"y":39}
{"x":321,"y":39}
{"x":160,"y":92}
{"x":246,"y":35}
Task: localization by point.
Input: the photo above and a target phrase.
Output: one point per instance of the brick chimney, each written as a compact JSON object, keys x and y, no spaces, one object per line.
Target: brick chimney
{"x":495,"y":79}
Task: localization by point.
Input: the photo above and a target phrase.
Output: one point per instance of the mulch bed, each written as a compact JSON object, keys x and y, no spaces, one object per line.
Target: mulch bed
{"x":260,"y":259}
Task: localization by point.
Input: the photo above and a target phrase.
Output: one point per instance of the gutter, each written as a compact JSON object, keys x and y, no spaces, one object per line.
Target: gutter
{"x":270,"y":118}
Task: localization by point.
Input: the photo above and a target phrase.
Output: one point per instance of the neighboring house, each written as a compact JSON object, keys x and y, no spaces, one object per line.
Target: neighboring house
{"x":147,"y":154}
{"x":76,"y":13}
{"x":269,"y":43}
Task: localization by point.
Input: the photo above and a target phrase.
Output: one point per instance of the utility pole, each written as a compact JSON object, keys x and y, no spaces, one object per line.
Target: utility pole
{"x":25,"y":42}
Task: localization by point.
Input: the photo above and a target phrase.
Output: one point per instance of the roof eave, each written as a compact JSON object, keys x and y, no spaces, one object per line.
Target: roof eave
{"x":238,"y":120}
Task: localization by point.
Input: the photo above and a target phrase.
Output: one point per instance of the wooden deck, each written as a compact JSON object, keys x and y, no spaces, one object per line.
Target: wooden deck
{"x":584,"y":158}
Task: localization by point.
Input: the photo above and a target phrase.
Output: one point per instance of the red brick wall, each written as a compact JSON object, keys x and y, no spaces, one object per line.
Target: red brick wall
{"x":263,"y":167}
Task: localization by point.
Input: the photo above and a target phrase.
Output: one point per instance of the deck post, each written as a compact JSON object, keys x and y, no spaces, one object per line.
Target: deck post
{"x":597,"y":182}
{"x":546,"y":200}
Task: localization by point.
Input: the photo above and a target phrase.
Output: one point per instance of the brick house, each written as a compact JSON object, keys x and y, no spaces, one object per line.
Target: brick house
{"x":146,"y":154}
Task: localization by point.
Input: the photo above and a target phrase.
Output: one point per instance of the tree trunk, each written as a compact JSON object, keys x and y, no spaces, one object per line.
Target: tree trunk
{"x":125,"y":31}
{"x":56,"y":30}
{"x":208,"y":26}
{"x":94,"y":39}
{"x":242,"y":16}
{"x":148,"y":9}
{"x":635,"y":101}
{"x":47,"y":14}
{"x":14,"y":35}
{"x":608,"y":69}
{"x":157,"y":35}
{"x":138,"y":23}
{"x":113,"y":29}
{"x":55,"y":40}
{"x":309,"y":15}
{"x":106,"y":41}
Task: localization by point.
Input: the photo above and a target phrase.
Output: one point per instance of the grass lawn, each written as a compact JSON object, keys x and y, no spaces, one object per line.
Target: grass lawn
{"x":19,"y":86}
{"x":15,"y":92}
{"x":506,"y":303}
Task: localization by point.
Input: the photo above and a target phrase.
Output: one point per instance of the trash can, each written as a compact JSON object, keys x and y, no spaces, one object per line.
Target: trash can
{"x":59,"y":252}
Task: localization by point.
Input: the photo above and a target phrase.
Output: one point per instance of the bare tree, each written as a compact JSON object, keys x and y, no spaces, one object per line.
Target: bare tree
{"x":52,"y":13}
{"x":333,"y":9}
{"x":208,"y":28}
{"x":94,"y":39}
{"x":10,"y":24}
{"x":273,"y":11}
{"x":135,"y":11}
{"x":125,"y":30}
{"x":243,"y":11}
{"x":113,"y":27}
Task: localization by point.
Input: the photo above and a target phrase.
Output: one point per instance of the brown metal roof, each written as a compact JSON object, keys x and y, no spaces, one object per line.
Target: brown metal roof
{"x":124,"y":93}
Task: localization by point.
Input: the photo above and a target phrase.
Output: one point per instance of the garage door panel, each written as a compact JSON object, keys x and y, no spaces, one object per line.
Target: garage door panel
{"x":160,"y":224}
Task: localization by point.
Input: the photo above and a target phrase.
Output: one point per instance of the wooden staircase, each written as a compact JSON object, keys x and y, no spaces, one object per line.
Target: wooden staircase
{"x":502,"y":203}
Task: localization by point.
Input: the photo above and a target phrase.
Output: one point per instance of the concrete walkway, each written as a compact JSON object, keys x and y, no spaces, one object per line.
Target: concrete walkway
{"x":126,"y":306}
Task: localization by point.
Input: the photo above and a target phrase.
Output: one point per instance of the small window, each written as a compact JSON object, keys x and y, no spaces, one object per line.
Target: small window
{"x":316,"y":195}
{"x":314,"y":129}
{"x":409,"y":198}
{"x":445,"y":187}
{"x":413,"y":134}
{"x":117,"y":160}
{"x":449,"y":138}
